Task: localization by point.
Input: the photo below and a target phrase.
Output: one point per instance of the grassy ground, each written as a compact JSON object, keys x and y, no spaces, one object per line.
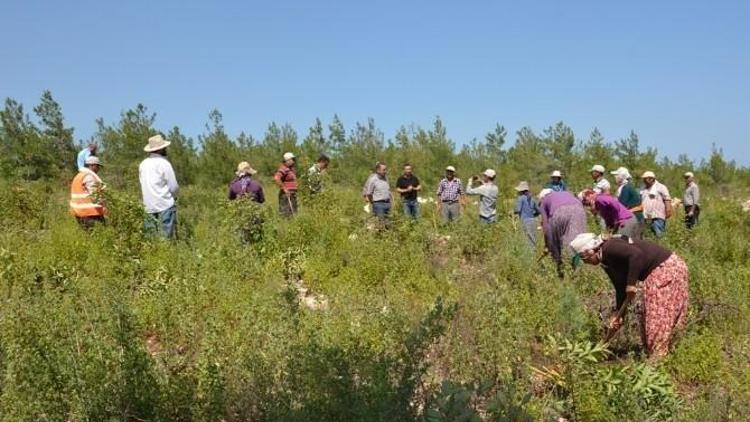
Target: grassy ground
{"x":420,"y":321}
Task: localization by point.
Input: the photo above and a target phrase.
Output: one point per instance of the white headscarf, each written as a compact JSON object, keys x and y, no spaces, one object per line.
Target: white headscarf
{"x":586,"y":242}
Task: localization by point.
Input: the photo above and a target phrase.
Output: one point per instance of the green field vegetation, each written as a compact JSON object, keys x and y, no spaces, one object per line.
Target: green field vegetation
{"x":416,"y":322}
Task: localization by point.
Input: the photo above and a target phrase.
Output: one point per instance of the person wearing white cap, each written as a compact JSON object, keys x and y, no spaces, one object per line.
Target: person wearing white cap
{"x":244,"y":186}
{"x":487,"y":193}
{"x":286,"y":179}
{"x":527,"y":210}
{"x":556,"y":182}
{"x":657,"y":204}
{"x":450,"y":195}
{"x":86,"y":204}
{"x":159,"y":188}
{"x":601,"y":185}
{"x":628,"y":196}
{"x":639,"y":265}
{"x":691,"y":200}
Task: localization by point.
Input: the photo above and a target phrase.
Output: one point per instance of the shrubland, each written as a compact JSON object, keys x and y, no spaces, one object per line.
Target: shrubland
{"x":416,"y":322}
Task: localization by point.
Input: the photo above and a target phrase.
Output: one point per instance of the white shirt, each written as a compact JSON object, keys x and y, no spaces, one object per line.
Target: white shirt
{"x":158,"y":183}
{"x":654,"y":201}
{"x":601,"y":185}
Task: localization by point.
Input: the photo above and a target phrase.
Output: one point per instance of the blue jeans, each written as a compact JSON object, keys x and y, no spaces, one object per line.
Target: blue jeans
{"x":381,"y":209}
{"x":411,"y":208}
{"x":164,"y":223}
{"x":659,"y":227}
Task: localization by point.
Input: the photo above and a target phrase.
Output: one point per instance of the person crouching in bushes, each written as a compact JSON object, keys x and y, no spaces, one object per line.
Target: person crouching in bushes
{"x":247,"y":194}
{"x":617,"y":218}
{"x":639,"y":265}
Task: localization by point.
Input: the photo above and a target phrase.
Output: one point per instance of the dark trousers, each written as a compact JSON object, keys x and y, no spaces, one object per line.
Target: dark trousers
{"x":88,"y":223}
{"x":287,"y":204}
{"x":692,"y":220}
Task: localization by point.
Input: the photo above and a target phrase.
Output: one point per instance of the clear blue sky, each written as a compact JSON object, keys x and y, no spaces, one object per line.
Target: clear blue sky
{"x":677,"y":72}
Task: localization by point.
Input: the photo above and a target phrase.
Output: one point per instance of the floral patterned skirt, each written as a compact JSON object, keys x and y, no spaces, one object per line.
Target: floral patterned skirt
{"x":664,"y":305}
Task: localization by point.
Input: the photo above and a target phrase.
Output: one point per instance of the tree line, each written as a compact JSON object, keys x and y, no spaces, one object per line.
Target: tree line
{"x":45,"y":148}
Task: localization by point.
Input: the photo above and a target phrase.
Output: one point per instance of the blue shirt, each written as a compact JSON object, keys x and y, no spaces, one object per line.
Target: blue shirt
{"x":526,"y":207}
{"x":557,"y":187}
{"x":82,"y":156}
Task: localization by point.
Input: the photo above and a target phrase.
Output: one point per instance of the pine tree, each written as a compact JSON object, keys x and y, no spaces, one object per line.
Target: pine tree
{"x":54,"y":133}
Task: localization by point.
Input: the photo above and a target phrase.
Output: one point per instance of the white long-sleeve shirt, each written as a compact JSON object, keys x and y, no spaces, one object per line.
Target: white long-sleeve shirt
{"x":158,"y":183}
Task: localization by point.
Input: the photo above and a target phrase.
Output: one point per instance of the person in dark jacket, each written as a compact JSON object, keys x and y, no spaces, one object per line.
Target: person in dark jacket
{"x":638,"y":265}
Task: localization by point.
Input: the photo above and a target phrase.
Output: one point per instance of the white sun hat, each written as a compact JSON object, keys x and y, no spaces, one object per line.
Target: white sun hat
{"x":689,"y":174}
{"x":522,"y":186}
{"x":586,"y":242}
{"x":598,"y":168}
{"x":156,"y":143}
{"x":556,"y":173}
{"x":648,"y":174}
{"x":622,"y":172}
{"x":490,"y":173}
{"x":544,"y":193}
{"x":244,"y":168}
{"x":450,"y":168}
{"x":289,"y":156}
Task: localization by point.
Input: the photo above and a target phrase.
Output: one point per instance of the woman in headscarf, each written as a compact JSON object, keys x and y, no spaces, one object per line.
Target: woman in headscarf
{"x":629,"y":196}
{"x":617,"y":218}
{"x":563,"y":218}
{"x":660,"y":275}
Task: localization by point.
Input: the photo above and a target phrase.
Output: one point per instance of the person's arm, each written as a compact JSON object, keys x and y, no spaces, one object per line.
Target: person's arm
{"x":171,"y":179}
{"x":667,"y":202}
{"x":369,"y":190}
{"x":519,"y":205}
{"x":439,"y":192}
{"x":418,"y":187}
{"x":461,"y":195}
{"x":278,"y":179}
{"x":232,"y":195}
{"x":260,"y":197}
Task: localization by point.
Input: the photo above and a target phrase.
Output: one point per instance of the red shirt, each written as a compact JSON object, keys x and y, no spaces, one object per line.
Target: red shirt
{"x":287,"y":177}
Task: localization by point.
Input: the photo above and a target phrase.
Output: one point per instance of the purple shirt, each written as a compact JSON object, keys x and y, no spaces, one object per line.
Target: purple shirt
{"x":612,"y":210}
{"x":246,"y":186}
{"x":551,"y":203}
{"x":555,"y":200}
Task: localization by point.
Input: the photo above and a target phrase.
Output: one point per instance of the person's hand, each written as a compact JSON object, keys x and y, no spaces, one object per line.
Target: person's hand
{"x":615,"y":323}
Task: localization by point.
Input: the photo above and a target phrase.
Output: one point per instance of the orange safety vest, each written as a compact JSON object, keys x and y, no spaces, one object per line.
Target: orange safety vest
{"x":81,"y":204}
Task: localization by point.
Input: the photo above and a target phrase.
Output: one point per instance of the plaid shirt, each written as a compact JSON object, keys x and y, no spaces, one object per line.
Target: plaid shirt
{"x":450,"y":191}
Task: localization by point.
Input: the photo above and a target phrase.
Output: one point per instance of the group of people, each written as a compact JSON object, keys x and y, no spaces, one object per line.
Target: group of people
{"x":450,"y":195}
{"x":632,"y":264}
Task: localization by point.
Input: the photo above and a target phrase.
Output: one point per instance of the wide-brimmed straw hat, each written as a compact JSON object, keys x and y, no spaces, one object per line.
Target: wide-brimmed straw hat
{"x":556,"y":173}
{"x":523,"y":186}
{"x":598,"y":168}
{"x":93,"y":160}
{"x":156,"y":143}
{"x":244,"y":168}
{"x":450,"y":168}
{"x":648,"y":175}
